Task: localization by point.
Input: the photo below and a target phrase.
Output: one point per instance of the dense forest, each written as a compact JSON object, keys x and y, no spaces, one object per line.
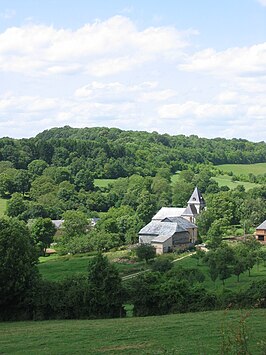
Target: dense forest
{"x":112,"y":153}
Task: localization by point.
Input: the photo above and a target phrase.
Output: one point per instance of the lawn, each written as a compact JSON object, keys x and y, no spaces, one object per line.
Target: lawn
{"x":175,"y":178}
{"x":2,"y":206}
{"x":59,"y":267}
{"x":245,"y":169}
{"x":257,"y":273}
{"x":103,"y":182}
{"x":226,"y":180}
{"x":55,"y":267}
{"x":191,"y":333}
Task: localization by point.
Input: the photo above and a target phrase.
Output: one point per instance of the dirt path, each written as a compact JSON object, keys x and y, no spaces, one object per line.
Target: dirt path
{"x":127,"y":277}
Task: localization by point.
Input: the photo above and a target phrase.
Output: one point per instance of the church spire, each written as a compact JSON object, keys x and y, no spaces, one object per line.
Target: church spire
{"x":197,"y":200}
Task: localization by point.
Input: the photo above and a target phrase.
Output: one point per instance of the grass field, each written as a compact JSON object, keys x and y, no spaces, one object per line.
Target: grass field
{"x":55,"y":267}
{"x":245,"y":169}
{"x":103,"y":182}
{"x":191,"y":333}
{"x":257,"y":273}
{"x":175,"y":178}
{"x":2,"y":206}
{"x":226,"y":180}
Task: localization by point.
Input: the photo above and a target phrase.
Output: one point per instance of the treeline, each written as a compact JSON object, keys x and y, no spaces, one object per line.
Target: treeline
{"x":112,"y":153}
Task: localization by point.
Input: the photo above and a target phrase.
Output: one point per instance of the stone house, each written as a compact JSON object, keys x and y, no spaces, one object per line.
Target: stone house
{"x":261,"y":232}
{"x":174,"y":228}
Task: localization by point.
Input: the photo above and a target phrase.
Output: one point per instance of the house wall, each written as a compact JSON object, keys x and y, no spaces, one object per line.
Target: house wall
{"x":180,"y":240}
{"x":261,"y":235}
{"x":193,"y":233}
{"x":163,"y":247}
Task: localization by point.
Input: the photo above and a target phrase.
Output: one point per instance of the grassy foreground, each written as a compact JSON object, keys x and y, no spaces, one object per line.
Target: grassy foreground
{"x":191,"y":333}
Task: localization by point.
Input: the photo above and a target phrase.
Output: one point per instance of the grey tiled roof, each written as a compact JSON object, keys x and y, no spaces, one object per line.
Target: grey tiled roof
{"x":190,"y":211}
{"x":167,"y":227}
{"x":168,"y":212}
{"x":262,"y":225}
{"x":196,"y":197}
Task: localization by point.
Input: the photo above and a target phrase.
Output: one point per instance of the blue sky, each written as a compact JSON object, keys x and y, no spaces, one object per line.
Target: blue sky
{"x":180,"y":67}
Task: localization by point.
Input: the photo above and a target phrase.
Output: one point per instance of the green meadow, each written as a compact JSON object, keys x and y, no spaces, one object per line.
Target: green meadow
{"x":103,"y":182}
{"x":226,"y":180}
{"x":2,"y":206}
{"x":57,"y":268}
{"x":245,"y":169}
{"x":186,"y":334}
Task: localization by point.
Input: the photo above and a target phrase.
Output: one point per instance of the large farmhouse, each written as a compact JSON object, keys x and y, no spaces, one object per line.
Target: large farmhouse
{"x":173,"y":228}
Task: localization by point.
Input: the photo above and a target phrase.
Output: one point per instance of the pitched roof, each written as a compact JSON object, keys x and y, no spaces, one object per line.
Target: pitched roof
{"x":168,"y":212}
{"x":262,"y":225}
{"x":196,"y":197}
{"x":167,"y":227}
{"x":57,"y":223}
{"x":190,"y":211}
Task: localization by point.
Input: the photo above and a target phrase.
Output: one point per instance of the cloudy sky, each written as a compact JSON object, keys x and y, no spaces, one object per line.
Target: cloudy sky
{"x":172,"y":66}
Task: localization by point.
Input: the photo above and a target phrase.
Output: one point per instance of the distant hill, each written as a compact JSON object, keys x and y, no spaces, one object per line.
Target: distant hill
{"x":112,"y":152}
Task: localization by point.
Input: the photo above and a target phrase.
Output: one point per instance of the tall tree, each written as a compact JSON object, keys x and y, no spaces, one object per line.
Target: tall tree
{"x":18,"y":272}
{"x":43,"y":231}
{"x":105,"y":292}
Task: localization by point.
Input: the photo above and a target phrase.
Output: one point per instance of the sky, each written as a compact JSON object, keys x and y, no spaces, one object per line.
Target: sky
{"x":193,"y":67}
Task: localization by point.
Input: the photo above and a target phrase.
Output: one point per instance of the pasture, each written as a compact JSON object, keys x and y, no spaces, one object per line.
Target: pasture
{"x":57,"y":268}
{"x":103,"y":183}
{"x":3,"y":203}
{"x":54,"y":268}
{"x":190,"y":333}
{"x":244,"y":169}
{"x":226,"y":180}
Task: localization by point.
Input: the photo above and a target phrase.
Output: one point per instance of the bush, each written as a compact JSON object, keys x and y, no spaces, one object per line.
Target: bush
{"x":162,"y":265}
{"x":145,"y":252}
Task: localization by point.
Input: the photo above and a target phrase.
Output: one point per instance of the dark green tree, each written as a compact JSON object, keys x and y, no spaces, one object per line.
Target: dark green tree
{"x":43,"y":231}
{"x":18,"y":273}
{"x":105,"y":292}
{"x":145,"y":252}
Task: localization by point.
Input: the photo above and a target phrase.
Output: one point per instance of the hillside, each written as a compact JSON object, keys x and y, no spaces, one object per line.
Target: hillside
{"x":112,"y":153}
{"x":192,"y":333}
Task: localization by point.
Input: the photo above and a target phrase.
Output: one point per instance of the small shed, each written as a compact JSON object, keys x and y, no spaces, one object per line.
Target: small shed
{"x":261,"y":233}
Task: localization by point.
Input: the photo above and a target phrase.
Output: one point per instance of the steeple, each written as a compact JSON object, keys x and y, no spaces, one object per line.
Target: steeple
{"x":197,"y":200}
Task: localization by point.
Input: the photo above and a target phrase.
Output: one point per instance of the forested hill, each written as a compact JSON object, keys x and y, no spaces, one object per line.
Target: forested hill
{"x":112,"y":153}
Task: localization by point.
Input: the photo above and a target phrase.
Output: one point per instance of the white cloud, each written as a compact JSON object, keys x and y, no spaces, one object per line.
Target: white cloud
{"x":110,"y":73}
{"x":195,"y":109}
{"x":100,"y":48}
{"x":8,"y":14}
{"x":248,"y":61}
{"x":116,"y":91}
{"x":262,"y":2}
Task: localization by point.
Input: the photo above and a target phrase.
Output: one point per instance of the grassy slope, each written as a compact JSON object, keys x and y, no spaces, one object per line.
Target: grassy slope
{"x":192,"y":333}
{"x":103,"y":182}
{"x":257,"y":273}
{"x":226,"y":180}
{"x":244,"y":169}
{"x":2,"y":206}
{"x":58,"y":268}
